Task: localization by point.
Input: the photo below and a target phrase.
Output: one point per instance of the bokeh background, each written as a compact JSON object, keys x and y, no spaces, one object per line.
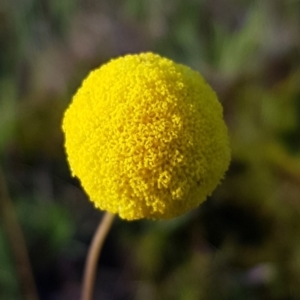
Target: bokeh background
{"x":244,"y":241}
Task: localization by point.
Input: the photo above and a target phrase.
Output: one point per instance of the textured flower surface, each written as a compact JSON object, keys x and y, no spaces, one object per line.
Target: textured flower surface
{"x":146,"y":137}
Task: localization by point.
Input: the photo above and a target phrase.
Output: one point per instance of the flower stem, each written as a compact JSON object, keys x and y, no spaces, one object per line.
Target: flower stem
{"x":93,"y":255}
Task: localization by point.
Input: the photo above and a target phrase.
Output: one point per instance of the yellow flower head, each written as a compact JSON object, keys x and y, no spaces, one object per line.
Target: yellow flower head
{"x":146,"y":137}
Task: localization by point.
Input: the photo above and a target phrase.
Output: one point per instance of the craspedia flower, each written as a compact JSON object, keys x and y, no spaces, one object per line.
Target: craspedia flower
{"x":146,"y":137}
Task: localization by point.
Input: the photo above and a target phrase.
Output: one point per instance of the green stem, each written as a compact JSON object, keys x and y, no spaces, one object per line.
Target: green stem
{"x":17,"y":243}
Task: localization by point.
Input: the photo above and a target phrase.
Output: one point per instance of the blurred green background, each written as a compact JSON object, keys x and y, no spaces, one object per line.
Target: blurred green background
{"x":244,"y":241}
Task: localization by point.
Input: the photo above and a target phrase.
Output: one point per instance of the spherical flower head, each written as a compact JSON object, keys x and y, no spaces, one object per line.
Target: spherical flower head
{"x":146,"y":137}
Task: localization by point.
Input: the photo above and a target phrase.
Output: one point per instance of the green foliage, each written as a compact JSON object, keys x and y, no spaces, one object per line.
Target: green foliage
{"x":48,"y":226}
{"x":8,"y":282}
{"x":8,"y":112}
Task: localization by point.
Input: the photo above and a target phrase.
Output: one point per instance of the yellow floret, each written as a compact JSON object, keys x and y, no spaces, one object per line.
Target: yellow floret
{"x":146,"y":137}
